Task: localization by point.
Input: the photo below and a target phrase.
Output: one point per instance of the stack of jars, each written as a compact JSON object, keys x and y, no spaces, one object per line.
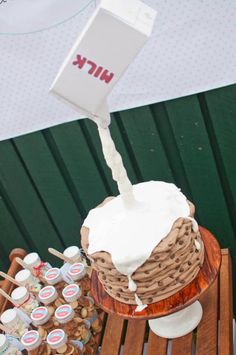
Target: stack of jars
{"x":54,"y":312}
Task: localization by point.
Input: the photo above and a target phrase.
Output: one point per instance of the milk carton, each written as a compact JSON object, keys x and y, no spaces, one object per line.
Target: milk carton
{"x":110,"y":41}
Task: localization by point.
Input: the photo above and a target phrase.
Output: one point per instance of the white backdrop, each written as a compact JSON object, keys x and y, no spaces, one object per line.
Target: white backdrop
{"x":192,"y":49}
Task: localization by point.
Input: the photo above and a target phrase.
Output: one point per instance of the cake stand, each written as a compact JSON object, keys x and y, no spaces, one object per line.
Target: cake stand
{"x":178,"y":314}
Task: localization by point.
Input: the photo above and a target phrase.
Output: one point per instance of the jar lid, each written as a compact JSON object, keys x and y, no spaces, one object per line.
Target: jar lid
{"x":32,"y":259}
{"x":47,"y":294}
{"x":40,"y":315}
{"x":53,"y":276}
{"x":64,"y":313}
{"x":3,"y":342}
{"x":72,"y":252}
{"x":20,"y":294}
{"x":8,"y":316}
{"x":23,"y":276}
{"x":71,"y":293}
{"x":31,"y":340}
{"x":56,"y":338}
{"x":77,"y":271}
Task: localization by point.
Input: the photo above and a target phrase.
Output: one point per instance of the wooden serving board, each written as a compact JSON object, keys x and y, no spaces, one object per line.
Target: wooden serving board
{"x":174,"y":303}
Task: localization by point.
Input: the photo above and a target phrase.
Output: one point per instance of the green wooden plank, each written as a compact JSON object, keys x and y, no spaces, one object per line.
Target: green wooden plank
{"x":25,"y":201}
{"x":161,"y":119}
{"x":146,"y":145}
{"x":118,"y":134}
{"x":221,"y":109}
{"x":83,"y":175}
{"x":4,"y":261}
{"x":11,"y":236}
{"x":193,"y":143}
{"x":198,"y":154}
{"x":51,"y":187}
{"x":128,"y":147}
{"x":94,"y":143}
{"x":5,"y":227}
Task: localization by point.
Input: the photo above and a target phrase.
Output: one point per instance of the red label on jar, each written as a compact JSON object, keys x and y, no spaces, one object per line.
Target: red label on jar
{"x":70,"y":290}
{"x":76,"y":268}
{"x":63,"y":311}
{"x":30,"y":337}
{"x":39,"y":313}
{"x":46,"y":292}
{"x":52,"y":274}
{"x":55,"y":336}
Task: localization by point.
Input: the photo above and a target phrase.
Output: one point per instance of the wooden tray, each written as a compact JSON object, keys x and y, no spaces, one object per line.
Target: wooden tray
{"x":7,"y":286}
{"x":178,"y":301}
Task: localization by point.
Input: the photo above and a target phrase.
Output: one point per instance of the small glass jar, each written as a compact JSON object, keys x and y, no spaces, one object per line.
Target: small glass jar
{"x":64,"y":319}
{"x":42,"y":319}
{"x":58,"y":342}
{"x":74,"y":254}
{"x":13,"y":322}
{"x":74,"y":327}
{"x":54,"y":277}
{"x":77,"y":272}
{"x":25,"y":300}
{"x":83,"y":306}
{"x":26,"y":279}
{"x":32,"y":341}
{"x":6,"y":348}
{"x":87,"y":311}
{"x":71,"y":294}
{"x":48,"y":296}
{"x":36,"y":266}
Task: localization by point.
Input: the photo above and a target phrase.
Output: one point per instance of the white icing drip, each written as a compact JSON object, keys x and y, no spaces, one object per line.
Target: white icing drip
{"x":130,"y":235}
{"x":132,"y":284}
{"x":115,"y":163}
{"x":195,"y":227}
{"x":197,"y":244}
{"x":140,"y":304}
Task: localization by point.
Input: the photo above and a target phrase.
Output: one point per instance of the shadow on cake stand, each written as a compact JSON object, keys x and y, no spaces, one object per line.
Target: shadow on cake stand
{"x":178,"y":314}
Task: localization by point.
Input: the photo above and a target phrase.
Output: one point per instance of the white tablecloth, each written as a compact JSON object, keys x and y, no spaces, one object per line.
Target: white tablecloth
{"x":192,"y":49}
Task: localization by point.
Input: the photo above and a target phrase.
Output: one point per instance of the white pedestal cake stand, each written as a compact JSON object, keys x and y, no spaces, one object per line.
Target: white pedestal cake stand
{"x":178,"y":314}
{"x":179,"y":323}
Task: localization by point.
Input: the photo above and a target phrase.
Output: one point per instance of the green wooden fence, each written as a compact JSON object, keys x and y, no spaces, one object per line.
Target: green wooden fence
{"x":50,"y":179}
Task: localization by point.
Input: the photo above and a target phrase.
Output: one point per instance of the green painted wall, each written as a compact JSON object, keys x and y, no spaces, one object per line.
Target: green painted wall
{"x":50,"y":179}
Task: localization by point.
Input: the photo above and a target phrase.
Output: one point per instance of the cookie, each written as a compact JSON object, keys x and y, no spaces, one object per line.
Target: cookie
{"x":51,"y":310}
{"x":42,"y":332}
{"x":48,"y":325}
{"x":84,"y":312}
{"x":62,"y":349}
{"x":70,"y":349}
{"x":74,"y":304}
{"x":58,"y":303}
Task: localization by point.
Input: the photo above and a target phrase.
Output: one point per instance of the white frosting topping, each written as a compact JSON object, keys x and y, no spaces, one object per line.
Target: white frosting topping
{"x":197,"y":244}
{"x":132,"y":284}
{"x":130,"y":235}
{"x":195,"y":227}
{"x":140,"y":305}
